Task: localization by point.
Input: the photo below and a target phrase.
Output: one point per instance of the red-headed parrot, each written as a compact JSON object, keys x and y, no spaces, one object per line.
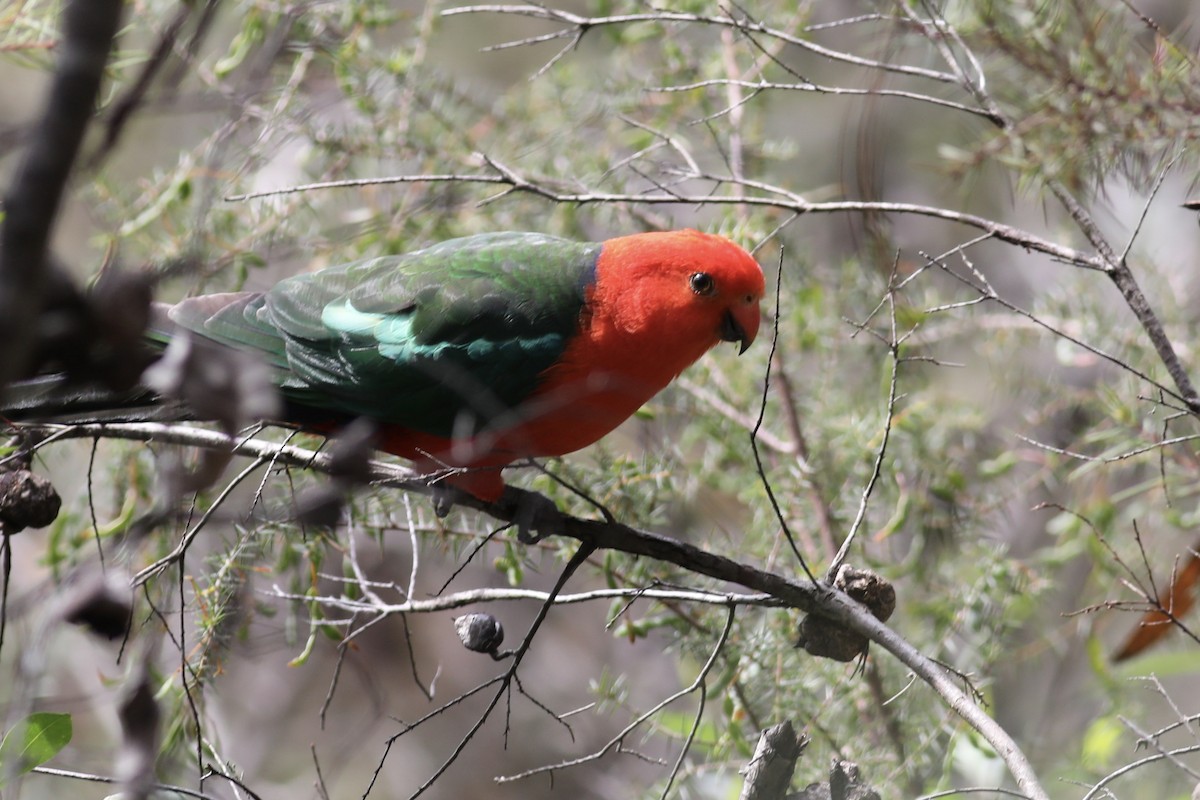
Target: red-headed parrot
{"x":481,"y":351}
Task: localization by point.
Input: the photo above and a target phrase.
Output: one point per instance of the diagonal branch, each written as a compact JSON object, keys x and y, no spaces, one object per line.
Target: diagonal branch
{"x":806,"y":595}
{"x":616,"y":741}
{"x":1106,"y":259}
{"x":893,"y":344}
{"x":837,"y":91}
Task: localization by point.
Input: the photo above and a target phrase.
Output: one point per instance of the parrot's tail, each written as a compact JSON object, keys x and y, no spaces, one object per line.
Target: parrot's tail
{"x":187,"y":377}
{"x":52,"y":398}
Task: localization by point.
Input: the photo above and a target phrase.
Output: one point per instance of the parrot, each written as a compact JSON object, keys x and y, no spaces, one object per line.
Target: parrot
{"x":478,"y":352}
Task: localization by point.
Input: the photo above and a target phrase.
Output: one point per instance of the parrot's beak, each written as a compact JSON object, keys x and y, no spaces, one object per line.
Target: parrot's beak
{"x":740,"y":327}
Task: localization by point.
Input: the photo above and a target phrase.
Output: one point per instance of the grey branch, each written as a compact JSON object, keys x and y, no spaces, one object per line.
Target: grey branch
{"x":806,"y":596}
{"x":767,"y":196}
{"x":577,"y":24}
{"x":616,"y":741}
{"x":764,"y":86}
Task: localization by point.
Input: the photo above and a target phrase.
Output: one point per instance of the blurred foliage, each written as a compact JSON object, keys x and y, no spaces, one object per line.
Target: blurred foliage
{"x":1097,"y":96}
{"x":986,"y":523}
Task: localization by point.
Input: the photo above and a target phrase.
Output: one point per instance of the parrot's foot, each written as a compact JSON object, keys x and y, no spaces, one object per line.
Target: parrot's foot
{"x":444,"y":498}
{"x":443,"y":501}
{"x":535,"y":515}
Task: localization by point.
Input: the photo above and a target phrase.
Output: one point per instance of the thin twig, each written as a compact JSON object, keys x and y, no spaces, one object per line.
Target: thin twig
{"x":761,"y":86}
{"x":576,"y":22}
{"x":92,"y":778}
{"x":1158,"y":182}
{"x":762,"y":413}
{"x":577,"y":559}
{"x":860,"y":516}
{"x":1137,"y":451}
{"x":700,"y":684}
{"x":146,"y":573}
{"x":1157,"y":747}
{"x":617,"y":740}
{"x":972,"y":790}
{"x":411,"y":726}
{"x":1130,"y":767}
{"x":986,"y":292}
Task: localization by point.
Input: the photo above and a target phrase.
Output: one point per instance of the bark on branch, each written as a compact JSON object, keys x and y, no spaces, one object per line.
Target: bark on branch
{"x":769,"y":773}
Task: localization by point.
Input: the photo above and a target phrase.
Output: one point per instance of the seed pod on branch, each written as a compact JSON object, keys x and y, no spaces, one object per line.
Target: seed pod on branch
{"x":480,"y":633}
{"x":825,"y":638}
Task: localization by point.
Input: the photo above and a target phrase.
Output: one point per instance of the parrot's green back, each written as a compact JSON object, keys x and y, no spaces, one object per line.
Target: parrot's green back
{"x":451,"y":336}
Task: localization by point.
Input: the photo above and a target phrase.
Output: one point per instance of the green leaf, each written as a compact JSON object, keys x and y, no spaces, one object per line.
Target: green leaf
{"x":1101,"y":742}
{"x":33,"y":741}
{"x":680,"y":723}
{"x":1000,"y":465}
{"x":302,"y":658}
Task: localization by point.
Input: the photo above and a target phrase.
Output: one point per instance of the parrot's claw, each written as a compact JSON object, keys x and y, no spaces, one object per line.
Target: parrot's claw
{"x":443,"y":499}
{"x":535,"y":515}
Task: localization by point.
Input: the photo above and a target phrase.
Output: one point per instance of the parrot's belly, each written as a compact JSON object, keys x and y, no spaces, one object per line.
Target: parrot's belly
{"x":567,"y":418}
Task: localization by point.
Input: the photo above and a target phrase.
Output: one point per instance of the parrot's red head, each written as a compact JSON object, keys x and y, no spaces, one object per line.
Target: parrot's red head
{"x":658,"y":302}
{"x":688,"y":290}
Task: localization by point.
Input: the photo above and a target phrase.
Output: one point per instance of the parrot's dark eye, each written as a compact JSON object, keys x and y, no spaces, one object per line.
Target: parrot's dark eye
{"x":703,"y":284}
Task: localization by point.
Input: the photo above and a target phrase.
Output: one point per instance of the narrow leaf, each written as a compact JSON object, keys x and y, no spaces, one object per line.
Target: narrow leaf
{"x":34,"y":741}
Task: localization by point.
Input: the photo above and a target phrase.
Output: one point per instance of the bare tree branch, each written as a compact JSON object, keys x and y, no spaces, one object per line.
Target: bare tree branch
{"x":580,"y":24}
{"x":93,"y":778}
{"x":577,"y":559}
{"x":806,"y":596}
{"x":616,"y":741}
{"x":892,"y":341}
{"x":1097,"y":789}
{"x":1116,"y":267}
{"x":32,"y":201}
{"x":471,"y":597}
{"x":987,"y":293}
{"x":769,"y":197}
{"x":836,"y":91}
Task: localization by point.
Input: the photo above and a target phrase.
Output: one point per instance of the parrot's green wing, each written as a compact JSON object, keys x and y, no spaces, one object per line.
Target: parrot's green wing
{"x":451,"y":336}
